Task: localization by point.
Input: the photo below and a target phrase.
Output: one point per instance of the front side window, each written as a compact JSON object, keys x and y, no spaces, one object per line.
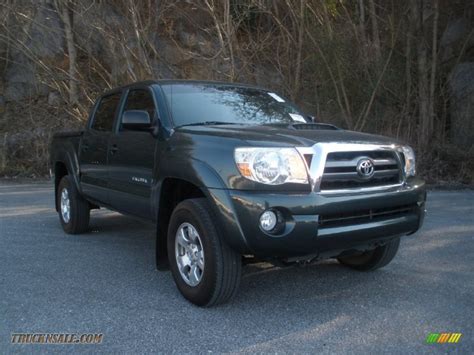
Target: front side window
{"x":199,"y":103}
{"x":140,"y":100}
{"x":105,"y":113}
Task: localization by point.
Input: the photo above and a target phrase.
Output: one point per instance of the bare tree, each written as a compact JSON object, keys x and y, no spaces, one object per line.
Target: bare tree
{"x":434,"y":60}
{"x":375,"y":31}
{"x":417,"y":11}
{"x":65,"y":9}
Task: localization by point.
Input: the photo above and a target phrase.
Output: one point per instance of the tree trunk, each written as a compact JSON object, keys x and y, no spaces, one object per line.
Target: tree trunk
{"x":229,"y":33}
{"x":362,"y":31}
{"x":423,"y":87}
{"x":144,"y":63}
{"x":66,"y":16}
{"x":375,"y":32}
{"x":299,"y":51}
{"x":409,"y":83}
{"x":434,"y":58}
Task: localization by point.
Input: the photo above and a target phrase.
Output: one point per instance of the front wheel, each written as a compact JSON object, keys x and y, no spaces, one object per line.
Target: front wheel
{"x":206,"y":271}
{"x":372,"y":259}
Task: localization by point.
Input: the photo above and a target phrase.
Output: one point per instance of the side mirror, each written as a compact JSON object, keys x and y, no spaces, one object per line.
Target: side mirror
{"x":136,"y":120}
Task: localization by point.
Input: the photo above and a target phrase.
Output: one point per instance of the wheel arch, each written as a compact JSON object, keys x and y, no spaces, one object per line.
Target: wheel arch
{"x":173,"y":190}
{"x":64,"y":161}
{"x":200,"y":180}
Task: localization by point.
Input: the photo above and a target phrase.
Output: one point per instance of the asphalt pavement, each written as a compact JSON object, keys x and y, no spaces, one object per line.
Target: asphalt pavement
{"x":105,"y":282}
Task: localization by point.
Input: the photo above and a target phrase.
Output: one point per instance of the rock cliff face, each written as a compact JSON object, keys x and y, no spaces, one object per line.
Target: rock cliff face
{"x":105,"y":37}
{"x":318,"y":60}
{"x":41,"y":39}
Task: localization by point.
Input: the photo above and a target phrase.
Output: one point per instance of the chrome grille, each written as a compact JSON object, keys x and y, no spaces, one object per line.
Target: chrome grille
{"x":332,"y":167}
{"x":340,"y":171}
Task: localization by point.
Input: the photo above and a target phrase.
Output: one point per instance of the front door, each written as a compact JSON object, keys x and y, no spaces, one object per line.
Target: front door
{"x":132,"y":158}
{"x":93,"y":149}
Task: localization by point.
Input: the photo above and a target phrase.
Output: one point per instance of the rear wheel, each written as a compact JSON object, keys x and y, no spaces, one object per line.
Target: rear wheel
{"x":73,"y":209}
{"x":372,"y":259}
{"x":206,"y":271}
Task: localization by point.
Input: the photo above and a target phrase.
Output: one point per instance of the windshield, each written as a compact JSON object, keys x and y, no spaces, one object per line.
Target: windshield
{"x":216,"y":104}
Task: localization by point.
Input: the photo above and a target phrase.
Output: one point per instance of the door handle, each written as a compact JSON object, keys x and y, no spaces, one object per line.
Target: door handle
{"x":114,"y":149}
{"x":85,"y":147}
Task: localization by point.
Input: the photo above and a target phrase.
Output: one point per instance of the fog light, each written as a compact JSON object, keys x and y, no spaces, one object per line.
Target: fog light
{"x":268,"y":220}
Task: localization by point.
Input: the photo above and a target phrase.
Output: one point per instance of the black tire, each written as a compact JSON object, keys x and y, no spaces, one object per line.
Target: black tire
{"x":221,"y":276}
{"x":372,"y":259}
{"x":79,"y":208}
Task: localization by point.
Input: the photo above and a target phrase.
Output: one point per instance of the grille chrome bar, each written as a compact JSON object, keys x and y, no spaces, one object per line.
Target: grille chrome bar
{"x":354,"y":175}
{"x":318,"y":164}
{"x":353,"y":162}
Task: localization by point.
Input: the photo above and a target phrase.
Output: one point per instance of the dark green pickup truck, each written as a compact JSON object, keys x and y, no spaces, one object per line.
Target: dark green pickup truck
{"x":232,"y":173}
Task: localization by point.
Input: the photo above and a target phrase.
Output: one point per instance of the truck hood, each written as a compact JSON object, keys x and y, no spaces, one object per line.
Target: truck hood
{"x":284,"y":135}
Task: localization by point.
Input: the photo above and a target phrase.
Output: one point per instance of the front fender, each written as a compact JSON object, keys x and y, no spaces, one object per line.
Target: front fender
{"x":202,"y":175}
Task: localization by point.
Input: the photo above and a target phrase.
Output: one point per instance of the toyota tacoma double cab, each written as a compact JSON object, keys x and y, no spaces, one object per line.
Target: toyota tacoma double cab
{"x":231,"y":173}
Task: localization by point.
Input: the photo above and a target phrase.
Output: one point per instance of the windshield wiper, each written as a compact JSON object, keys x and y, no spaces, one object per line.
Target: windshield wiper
{"x":206,"y":123}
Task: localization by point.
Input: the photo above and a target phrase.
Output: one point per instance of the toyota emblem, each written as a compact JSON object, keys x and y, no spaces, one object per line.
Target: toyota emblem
{"x":365,"y":168}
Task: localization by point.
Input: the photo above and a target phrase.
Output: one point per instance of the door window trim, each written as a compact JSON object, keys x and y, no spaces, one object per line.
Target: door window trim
{"x":96,"y":107}
{"x":155,"y":120}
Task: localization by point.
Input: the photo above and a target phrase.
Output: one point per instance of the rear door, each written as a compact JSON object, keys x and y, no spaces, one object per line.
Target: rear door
{"x":93,"y":154}
{"x":132,"y":158}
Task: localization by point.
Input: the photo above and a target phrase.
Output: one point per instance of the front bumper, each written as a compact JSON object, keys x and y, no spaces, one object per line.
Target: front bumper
{"x":354,"y":220}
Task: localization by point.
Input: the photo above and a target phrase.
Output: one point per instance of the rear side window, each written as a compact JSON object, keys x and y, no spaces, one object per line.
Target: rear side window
{"x":105,"y":114}
{"x":140,"y":100}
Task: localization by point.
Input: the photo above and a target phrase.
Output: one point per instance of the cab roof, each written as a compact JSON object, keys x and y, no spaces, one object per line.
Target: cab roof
{"x":179,"y":81}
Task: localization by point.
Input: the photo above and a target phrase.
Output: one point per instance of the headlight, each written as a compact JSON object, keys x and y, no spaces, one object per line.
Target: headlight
{"x":271,"y":166}
{"x":410,"y":169}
